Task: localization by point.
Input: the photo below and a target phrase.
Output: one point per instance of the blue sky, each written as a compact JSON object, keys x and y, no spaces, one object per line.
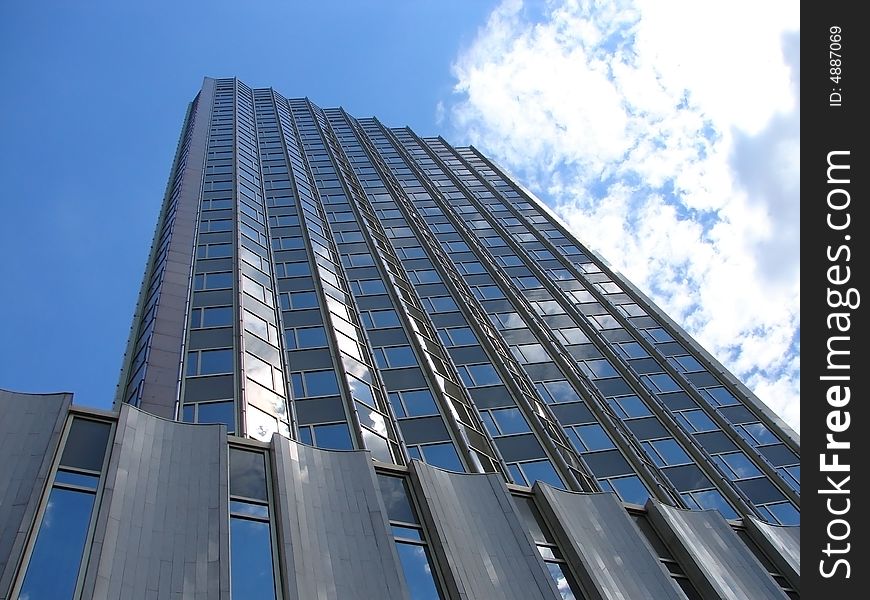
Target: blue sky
{"x":651,"y":152}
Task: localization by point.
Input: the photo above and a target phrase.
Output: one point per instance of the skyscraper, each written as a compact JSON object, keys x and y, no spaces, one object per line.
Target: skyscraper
{"x":327,"y":280}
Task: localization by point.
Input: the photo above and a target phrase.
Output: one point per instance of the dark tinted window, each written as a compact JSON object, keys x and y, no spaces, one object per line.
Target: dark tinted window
{"x":396,"y":501}
{"x":247,"y":474}
{"x":86,"y":444}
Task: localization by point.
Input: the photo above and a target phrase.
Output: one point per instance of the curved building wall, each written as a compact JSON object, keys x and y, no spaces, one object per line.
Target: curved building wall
{"x":162,"y":507}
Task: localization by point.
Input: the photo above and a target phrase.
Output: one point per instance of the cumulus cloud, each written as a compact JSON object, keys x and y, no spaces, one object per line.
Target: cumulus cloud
{"x":666,"y":135}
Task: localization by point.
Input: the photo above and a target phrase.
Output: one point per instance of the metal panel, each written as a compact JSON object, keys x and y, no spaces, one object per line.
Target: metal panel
{"x":333,"y":526}
{"x":485,"y":547}
{"x":605,"y":546}
{"x":162,"y":529}
{"x":781,"y":544}
{"x":30,"y":429}
{"x":160,"y":387}
{"x":717,"y":562}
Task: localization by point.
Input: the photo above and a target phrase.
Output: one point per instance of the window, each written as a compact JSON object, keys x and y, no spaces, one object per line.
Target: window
{"x":288,"y":243}
{"x":213,"y":281}
{"x":211,"y":316}
{"x":251,"y":563}
{"x":470,"y":268}
{"x":478,"y":375}
{"x":666,"y":452}
{"x":443,"y":456}
{"x":305,"y":337}
{"x":598,"y":368}
{"x":358,"y":260}
{"x":457,"y":336}
{"x":214,"y":251}
{"x":530,"y":353}
{"x":424,"y":276}
{"x":487,"y":292}
{"x":629,"y":406}
{"x":413,"y":403}
{"x":527,"y":283}
{"x":53,"y":567}
{"x":438,"y":304}
{"x":392,"y":357}
{"x":557,"y":391}
{"x":216,"y":225}
{"x":332,"y":437}
{"x":548,"y":549}
{"x":507,"y":320}
{"x":527,"y":473}
{"x":374,"y":319}
{"x":410,"y":538}
{"x":505,"y":421}
{"x":292,"y":269}
{"x":210,"y":362}
{"x":211,"y":412}
{"x":589,"y":438}
{"x":283,"y":220}
{"x":298,"y":300}
{"x":667,"y":559}
{"x":368,"y":287}
{"x":737,"y":465}
{"x":696,"y":420}
{"x":314,"y":383}
{"x":509,"y":260}
{"x":660,"y":383}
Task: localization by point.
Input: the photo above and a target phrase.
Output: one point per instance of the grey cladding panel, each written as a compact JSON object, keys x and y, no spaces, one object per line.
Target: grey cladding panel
{"x":161,"y":378}
{"x":487,"y":549}
{"x":30,"y":429}
{"x":715,"y":559}
{"x":162,"y":528}
{"x":333,"y":526}
{"x":781,"y":544}
{"x":600,"y":539}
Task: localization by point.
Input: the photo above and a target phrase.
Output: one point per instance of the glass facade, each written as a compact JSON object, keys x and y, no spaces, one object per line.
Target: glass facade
{"x":354,"y":286}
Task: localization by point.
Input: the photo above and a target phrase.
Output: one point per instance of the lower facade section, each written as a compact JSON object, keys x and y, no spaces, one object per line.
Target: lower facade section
{"x":128,"y":505}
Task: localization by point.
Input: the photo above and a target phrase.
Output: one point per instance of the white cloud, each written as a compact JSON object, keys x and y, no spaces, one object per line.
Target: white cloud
{"x":666,"y":134}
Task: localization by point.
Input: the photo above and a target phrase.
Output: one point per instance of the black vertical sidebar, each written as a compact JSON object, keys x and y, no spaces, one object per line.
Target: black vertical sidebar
{"x":835,"y":425}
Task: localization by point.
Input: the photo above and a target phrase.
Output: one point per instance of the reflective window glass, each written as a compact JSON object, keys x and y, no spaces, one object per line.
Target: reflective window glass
{"x":594,"y":437}
{"x":560,"y":576}
{"x":333,"y":437}
{"x":760,"y":433}
{"x":396,"y":500}
{"x":320,"y":383}
{"x":54,"y":564}
{"x":218,"y":412}
{"x":543,"y":471}
{"x":217,"y":316}
{"x":252,"y":569}
{"x":419,"y":403}
{"x":483,"y":374}
{"x":215,"y":361}
{"x":715,"y":500}
{"x":77,"y":479}
{"x":510,"y":420}
{"x":417,"y":569}
{"x":630,"y":489}
{"x":247,"y":474}
{"x":442,"y":455}
{"x":310,"y":337}
{"x":671,"y":452}
{"x":699,"y":421}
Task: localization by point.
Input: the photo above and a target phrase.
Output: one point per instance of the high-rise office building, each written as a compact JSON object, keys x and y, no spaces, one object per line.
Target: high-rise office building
{"x":321,"y":283}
